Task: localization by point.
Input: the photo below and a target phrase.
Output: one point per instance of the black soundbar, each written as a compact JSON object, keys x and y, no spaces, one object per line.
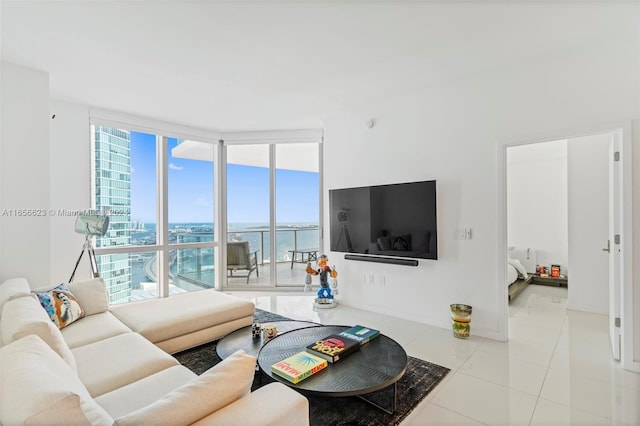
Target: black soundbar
{"x":381,"y":259}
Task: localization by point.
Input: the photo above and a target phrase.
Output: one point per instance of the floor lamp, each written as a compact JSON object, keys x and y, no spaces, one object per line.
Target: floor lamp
{"x":90,"y":226}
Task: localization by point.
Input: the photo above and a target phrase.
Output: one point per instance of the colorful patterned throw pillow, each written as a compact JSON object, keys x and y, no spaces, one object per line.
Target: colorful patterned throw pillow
{"x":61,"y":305}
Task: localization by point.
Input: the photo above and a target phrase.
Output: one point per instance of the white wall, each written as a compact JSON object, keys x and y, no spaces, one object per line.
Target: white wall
{"x":25,"y":171}
{"x":69,"y":187}
{"x":537,"y":201}
{"x":44,"y":167}
{"x":451,"y":133}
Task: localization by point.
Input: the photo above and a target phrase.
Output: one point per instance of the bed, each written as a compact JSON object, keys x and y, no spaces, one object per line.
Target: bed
{"x":521,"y":264}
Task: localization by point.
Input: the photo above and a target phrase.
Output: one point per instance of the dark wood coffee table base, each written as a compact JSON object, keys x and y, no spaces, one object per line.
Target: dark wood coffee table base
{"x":376,"y":365}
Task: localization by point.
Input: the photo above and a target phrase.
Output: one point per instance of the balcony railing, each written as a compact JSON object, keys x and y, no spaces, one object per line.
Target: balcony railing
{"x":193,"y":268}
{"x":287,"y":238}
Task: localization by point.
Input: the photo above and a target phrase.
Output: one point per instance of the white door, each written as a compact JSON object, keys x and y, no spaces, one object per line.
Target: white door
{"x":615,"y":210}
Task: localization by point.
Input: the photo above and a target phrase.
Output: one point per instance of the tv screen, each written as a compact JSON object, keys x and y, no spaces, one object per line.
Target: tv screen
{"x":385,"y":220}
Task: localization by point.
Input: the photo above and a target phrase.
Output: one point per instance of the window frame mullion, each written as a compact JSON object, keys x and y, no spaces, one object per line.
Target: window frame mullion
{"x":162,"y":218}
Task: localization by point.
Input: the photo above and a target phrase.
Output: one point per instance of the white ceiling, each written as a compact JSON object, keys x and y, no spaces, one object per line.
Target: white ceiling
{"x":271,"y":65}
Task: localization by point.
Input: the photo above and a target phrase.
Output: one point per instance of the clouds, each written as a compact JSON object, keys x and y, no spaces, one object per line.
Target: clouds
{"x":174,"y":167}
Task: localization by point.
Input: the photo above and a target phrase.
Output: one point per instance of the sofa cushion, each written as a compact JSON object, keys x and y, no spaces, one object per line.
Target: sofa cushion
{"x":38,"y":387}
{"x":24,"y":316}
{"x":217,"y":387}
{"x":272,"y":405}
{"x":12,"y":288}
{"x":93,"y":328}
{"x":117,"y":361}
{"x":143,"y":392}
{"x":180,"y":314}
{"x":92,"y":295}
{"x":61,"y":305}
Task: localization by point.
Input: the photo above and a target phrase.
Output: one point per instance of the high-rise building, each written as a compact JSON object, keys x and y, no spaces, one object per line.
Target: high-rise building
{"x":194,"y":267}
{"x":112,"y":157}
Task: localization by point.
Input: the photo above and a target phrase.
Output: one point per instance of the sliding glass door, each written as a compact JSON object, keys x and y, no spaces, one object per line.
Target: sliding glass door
{"x":297,"y":198}
{"x":273,"y":206}
{"x":248,"y":216}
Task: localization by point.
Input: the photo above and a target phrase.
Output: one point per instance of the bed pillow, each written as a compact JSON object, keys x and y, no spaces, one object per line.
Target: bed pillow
{"x":61,"y":305}
{"x":522,"y":271}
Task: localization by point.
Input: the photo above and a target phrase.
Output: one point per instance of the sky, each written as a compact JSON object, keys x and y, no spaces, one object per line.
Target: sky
{"x":191,"y":189}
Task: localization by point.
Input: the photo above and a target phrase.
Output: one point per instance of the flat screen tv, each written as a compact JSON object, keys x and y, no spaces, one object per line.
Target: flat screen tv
{"x":385,"y":220}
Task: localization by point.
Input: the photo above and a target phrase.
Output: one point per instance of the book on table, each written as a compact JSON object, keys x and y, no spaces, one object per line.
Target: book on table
{"x":299,"y":366}
{"x":333,"y":347}
{"x":361,"y":334}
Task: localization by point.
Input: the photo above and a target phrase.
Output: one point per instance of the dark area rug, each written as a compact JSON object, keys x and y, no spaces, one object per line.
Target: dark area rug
{"x":421,"y":377}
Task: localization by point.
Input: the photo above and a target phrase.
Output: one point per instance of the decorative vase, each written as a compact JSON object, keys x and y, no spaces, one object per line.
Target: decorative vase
{"x":461,"y":320}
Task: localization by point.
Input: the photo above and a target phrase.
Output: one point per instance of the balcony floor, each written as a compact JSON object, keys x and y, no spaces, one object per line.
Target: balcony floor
{"x":286,"y":277}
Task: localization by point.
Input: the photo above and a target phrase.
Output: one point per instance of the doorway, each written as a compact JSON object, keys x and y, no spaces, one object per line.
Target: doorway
{"x":621,"y":137}
{"x":548,"y":182}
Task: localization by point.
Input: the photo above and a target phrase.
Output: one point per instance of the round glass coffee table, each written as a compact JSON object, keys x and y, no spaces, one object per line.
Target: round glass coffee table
{"x":376,"y":365}
{"x":242,"y":339}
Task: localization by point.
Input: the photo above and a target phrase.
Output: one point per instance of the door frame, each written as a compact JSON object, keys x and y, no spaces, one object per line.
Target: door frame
{"x":269,"y":138}
{"x":623,"y":130}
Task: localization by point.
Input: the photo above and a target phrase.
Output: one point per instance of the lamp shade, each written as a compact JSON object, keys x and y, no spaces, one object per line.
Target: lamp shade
{"x":92,"y":225}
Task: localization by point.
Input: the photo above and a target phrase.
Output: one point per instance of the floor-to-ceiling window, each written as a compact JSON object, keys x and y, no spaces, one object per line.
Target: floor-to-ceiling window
{"x":161,"y":195}
{"x":158,"y":194}
{"x":124,"y":175}
{"x":190,"y":214}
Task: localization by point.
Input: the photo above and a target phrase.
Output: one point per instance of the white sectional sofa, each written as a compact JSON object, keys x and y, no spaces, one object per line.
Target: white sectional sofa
{"x":108,"y":366}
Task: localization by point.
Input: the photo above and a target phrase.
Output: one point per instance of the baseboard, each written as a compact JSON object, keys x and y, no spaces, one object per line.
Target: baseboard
{"x":479,"y":332}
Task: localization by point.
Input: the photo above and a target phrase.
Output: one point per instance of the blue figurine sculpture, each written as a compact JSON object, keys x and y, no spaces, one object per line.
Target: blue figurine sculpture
{"x":324,"y":293}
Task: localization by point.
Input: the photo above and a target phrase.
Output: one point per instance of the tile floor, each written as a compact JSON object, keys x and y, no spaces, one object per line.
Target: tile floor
{"x":556,"y":368}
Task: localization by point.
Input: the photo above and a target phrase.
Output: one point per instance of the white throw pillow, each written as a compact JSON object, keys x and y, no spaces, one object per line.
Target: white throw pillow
{"x":24,"y":316}
{"x":38,"y":388}
{"x":216,"y":388}
{"x":91,"y":294}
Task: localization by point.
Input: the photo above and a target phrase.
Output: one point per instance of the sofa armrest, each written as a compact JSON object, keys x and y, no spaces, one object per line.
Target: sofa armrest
{"x":272,"y":405}
{"x":12,"y":288}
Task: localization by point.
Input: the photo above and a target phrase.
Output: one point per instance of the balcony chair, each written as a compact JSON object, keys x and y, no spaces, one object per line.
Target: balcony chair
{"x":241,"y":258}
